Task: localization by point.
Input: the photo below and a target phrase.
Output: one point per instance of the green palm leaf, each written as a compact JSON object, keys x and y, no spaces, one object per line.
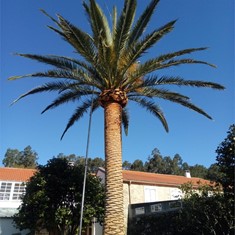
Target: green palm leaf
{"x":55,"y":86}
{"x":152,"y":108}
{"x":142,"y":22}
{"x":71,"y":95}
{"x":166,"y":80}
{"x":80,"y":111}
{"x":125,"y":120}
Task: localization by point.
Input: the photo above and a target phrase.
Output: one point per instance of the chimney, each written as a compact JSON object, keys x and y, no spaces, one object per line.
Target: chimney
{"x":187,"y":174}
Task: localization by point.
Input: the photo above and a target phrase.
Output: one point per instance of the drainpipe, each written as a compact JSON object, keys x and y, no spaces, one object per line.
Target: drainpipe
{"x":129,"y":191}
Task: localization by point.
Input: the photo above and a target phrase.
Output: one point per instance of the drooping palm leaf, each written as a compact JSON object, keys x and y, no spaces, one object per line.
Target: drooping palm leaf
{"x":80,"y":111}
{"x":71,"y":95}
{"x":125,"y":120}
{"x":152,"y":108}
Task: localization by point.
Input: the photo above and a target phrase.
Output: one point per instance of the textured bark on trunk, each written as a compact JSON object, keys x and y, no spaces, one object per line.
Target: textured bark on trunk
{"x":114,"y":213}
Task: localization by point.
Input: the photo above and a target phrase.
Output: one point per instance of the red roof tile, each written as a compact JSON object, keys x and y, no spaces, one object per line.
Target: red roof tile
{"x":16,"y":174}
{"x":159,"y":179}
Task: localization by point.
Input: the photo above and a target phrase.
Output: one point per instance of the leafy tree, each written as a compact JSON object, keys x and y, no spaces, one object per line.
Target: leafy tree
{"x":22,"y":159}
{"x":206,"y":212}
{"x":226,"y":160}
{"x":93,"y":163}
{"x":11,"y":158}
{"x":155,"y":162}
{"x":28,"y":158}
{"x":53,"y":199}
{"x":198,"y":171}
{"x":213,"y":173}
{"x":126,"y":165}
{"x":177,"y":165}
{"x":109,"y":76}
{"x":165,"y":165}
{"x":137,"y":165}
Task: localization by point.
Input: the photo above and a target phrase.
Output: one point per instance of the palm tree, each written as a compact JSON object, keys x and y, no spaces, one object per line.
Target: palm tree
{"x":109,"y":76}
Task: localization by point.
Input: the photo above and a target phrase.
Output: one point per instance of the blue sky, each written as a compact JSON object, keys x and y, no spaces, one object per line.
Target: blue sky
{"x":200,"y":23}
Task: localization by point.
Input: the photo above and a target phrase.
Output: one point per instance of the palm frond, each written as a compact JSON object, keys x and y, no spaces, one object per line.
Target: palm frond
{"x":102,"y":37}
{"x":79,"y":112}
{"x":99,"y":24}
{"x":183,"y":61}
{"x":158,"y":93}
{"x":68,"y":96}
{"x":166,"y":57}
{"x":152,"y":65}
{"x":125,"y":120}
{"x":57,"y":61}
{"x":171,"y":80}
{"x":114,"y":22}
{"x":123,"y":27}
{"x":47,"y":87}
{"x":142,"y":22}
{"x":74,"y":36}
{"x":165,"y":80}
{"x":152,"y":108}
{"x":189,"y":105}
{"x":135,"y":51}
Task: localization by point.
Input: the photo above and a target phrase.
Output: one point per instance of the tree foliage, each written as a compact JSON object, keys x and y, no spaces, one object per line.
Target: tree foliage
{"x":226,"y":160}
{"x":22,"y":159}
{"x":207,"y":211}
{"x":92,"y":163}
{"x":165,"y":165}
{"x":53,"y":199}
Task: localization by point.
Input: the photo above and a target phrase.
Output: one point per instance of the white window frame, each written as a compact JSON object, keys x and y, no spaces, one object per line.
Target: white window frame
{"x":150,"y":193}
{"x":12,"y":191}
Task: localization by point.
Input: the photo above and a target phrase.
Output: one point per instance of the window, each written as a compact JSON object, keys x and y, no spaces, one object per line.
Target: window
{"x":5,"y":191}
{"x":156,"y":207}
{"x":11,"y":191}
{"x":150,"y":194}
{"x":139,"y":211}
{"x":19,"y":189}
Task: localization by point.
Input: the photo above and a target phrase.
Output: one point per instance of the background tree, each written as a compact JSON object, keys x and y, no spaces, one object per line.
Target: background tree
{"x":226,"y":160}
{"x":108,"y":75}
{"x":93,"y":163}
{"x":11,"y":158}
{"x":177,"y":165}
{"x":198,"y":171}
{"x":206,"y":212}
{"x":213,"y":173}
{"x":165,"y":165}
{"x":137,"y":165}
{"x":53,"y":199}
{"x":22,"y":159}
{"x":126,"y":165}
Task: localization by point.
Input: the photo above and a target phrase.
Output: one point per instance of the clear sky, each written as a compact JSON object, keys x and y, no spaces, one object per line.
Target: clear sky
{"x":200,"y":23}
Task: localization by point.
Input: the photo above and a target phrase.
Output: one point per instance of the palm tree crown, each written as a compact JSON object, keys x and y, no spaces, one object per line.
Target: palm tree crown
{"x":108,"y":74}
{"x":110,"y":69}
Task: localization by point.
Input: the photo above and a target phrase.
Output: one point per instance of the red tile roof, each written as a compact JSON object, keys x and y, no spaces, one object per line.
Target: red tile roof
{"x":16,"y":174}
{"x":159,"y":179}
{"x":23,"y":175}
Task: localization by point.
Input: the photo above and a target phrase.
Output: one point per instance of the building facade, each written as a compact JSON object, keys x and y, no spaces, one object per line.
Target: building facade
{"x":144,"y":187}
{"x":138,"y":187}
{"x":12,"y":187}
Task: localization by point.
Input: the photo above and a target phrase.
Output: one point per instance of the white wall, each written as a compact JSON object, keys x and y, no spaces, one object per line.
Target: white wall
{"x":7,"y":228}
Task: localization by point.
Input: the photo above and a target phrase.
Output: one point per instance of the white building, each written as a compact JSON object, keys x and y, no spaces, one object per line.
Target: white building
{"x":138,"y":187}
{"x":11,"y":190}
{"x":144,"y":187}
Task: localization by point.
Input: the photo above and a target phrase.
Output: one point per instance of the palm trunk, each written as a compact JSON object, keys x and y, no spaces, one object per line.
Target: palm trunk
{"x":114,"y":212}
